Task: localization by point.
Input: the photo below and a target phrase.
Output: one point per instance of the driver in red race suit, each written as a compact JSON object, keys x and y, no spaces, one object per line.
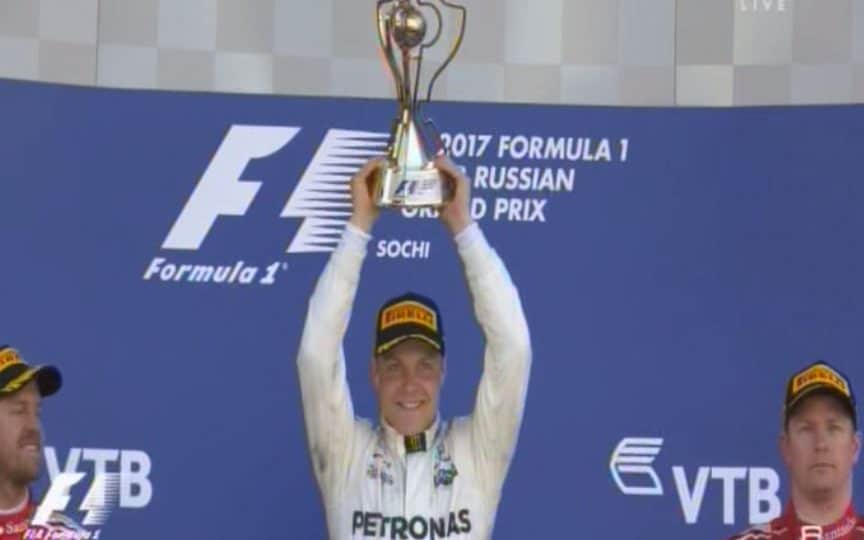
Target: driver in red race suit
{"x":820,"y":445}
{"x":22,"y":388}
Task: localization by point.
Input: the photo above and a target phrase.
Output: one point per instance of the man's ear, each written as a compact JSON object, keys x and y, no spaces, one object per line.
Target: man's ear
{"x":373,"y":372}
{"x":783,"y":443}
{"x":857,"y":446}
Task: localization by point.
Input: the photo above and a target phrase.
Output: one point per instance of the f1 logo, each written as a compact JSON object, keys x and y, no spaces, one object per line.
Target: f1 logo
{"x":321,"y":197}
{"x":221,"y":191}
{"x":101,"y":498}
{"x":406,"y":188}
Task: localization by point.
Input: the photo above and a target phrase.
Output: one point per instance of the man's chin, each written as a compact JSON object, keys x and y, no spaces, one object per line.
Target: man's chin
{"x":24,"y":479}
{"x":822,"y":488}
{"x":410,"y":424}
{"x":27,"y":473}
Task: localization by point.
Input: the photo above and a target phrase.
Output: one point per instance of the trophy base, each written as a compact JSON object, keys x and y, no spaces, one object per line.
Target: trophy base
{"x":397,"y":187}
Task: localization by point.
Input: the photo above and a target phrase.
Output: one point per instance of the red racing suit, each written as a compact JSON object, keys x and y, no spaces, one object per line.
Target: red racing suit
{"x":788,"y":527}
{"x":14,"y":522}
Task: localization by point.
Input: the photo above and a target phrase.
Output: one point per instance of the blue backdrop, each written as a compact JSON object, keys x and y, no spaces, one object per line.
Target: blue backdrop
{"x":676,"y":265}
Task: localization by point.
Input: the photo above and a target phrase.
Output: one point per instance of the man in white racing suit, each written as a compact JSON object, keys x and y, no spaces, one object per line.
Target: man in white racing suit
{"x":413,"y":475}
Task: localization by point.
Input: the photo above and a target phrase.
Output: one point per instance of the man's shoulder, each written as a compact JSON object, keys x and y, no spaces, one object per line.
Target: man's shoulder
{"x":364,"y":429}
{"x":456,"y":434}
{"x":20,"y":516}
{"x":458,"y":423}
{"x":763,"y":531}
{"x":458,"y":429}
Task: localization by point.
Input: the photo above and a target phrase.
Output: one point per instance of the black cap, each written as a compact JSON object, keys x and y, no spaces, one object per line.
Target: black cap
{"x":410,"y":316}
{"x":819,"y":378}
{"x":15,"y":373}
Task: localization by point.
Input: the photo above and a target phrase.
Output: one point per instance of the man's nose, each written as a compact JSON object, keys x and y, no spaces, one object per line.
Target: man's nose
{"x":821,"y":440}
{"x":409,"y":380}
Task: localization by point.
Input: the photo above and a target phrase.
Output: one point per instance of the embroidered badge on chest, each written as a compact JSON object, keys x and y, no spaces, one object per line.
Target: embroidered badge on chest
{"x":380,"y":469}
{"x":445,"y":469}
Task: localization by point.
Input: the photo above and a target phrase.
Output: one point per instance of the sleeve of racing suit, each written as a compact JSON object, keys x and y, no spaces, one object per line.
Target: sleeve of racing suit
{"x":327,"y":407}
{"x":503,"y":386}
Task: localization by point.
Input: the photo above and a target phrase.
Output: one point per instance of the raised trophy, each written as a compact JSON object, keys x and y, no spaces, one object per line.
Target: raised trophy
{"x":409,"y":178}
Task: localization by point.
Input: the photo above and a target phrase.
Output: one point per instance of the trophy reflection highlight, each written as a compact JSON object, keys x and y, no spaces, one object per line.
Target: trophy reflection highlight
{"x":409,"y":177}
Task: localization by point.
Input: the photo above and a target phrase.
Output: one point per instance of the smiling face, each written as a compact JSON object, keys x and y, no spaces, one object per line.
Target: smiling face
{"x":21,"y":435}
{"x":407,"y":380}
{"x":820,"y":447}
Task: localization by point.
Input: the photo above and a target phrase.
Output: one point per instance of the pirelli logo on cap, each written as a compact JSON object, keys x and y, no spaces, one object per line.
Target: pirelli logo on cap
{"x":820,"y":375}
{"x":408,"y":312}
{"x":8,"y":357}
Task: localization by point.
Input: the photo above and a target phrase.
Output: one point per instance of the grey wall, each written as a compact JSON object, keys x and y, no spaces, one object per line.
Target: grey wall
{"x":616,"y":52}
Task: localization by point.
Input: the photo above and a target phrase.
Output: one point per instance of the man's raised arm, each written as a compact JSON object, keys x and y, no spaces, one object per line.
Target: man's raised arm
{"x":503,"y":387}
{"x":327,"y":406}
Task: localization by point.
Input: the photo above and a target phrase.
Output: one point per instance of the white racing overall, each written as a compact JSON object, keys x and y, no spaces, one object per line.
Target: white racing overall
{"x":372,"y":487}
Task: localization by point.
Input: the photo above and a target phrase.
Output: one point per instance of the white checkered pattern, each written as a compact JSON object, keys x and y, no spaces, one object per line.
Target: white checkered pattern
{"x":611,"y":52}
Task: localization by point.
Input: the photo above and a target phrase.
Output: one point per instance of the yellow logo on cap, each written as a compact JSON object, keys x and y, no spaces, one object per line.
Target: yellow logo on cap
{"x":409,"y":312}
{"x":19,"y":381}
{"x":820,"y":375}
{"x":9,"y":357}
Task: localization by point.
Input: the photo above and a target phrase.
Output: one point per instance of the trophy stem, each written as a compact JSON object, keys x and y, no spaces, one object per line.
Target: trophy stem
{"x":406,"y":69}
{"x":417,"y":79}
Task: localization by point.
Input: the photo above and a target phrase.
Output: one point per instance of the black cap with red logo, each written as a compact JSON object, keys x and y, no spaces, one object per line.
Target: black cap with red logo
{"x":409,"y":316}
{"x":819,"y":378}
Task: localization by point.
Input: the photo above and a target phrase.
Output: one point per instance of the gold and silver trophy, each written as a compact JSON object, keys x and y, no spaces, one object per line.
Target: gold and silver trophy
{"x":409,"y":178}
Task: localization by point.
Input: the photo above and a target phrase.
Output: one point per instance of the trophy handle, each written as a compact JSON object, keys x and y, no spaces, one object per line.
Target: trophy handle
{"x":433,"y":7}
{"x":387,"y":48}
{"x":429,"y":43}
{"x":456,"y":44}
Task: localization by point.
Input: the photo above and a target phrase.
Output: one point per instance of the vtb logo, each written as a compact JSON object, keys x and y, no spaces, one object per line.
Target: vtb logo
{"x":126,"y":485}
{"x":321,"y":198}
{"x":631,"y":465}
{"x":633,"y":457}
